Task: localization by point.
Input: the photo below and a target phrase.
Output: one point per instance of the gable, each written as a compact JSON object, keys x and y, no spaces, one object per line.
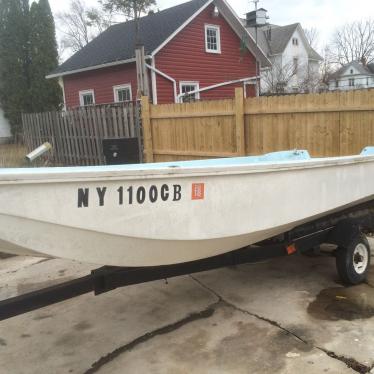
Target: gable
{"x":190,"y":42}
{"x":309,"y":52}
{"x":350,"y":70}
{"x":358,"y":69}
{"x":280,"y":38}
{"x":116,"y":45}
{"x":301,"y":48}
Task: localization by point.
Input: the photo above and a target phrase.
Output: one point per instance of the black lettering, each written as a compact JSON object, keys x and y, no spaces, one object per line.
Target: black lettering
{"x":130,"y":191}
{"x":83,"y":197}
{"x":177,"y":192}
{"x":120,"y":195}
{"x":101,"y":193}
{"x":164,"y":192}
{"x":140,"y":195}
{"x":153,"y":194}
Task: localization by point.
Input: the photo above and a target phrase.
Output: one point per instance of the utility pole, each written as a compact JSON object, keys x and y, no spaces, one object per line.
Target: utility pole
{"x":257,"y":64}
{"x":256,"y":19}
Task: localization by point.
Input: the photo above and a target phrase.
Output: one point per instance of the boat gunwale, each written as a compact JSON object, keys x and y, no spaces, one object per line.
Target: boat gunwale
{"x":112,"y":173}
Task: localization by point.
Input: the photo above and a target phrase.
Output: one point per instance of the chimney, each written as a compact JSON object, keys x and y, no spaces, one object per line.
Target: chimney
{"x":364,"y":60}
{"x":257,"y":18}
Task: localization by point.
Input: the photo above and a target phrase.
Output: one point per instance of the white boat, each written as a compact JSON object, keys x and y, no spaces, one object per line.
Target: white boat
{"x":167,"y":213}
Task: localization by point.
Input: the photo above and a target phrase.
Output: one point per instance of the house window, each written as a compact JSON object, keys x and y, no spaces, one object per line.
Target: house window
{"x":122,"y":93}
{"x":336,"y":84}
{"x":186,"y":87}
{"x":295,"y":64}
{"x":86,"y":97}
{"x":295,"y":41}
{"x":212,"y":39}
{"x":351,"y":71}
{"x":351,"y":82}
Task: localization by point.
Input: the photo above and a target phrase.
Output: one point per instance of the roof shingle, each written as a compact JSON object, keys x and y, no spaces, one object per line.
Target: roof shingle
{"x":117,"y":43}
{"x":362,"y":69}
{"x":280,"y":37}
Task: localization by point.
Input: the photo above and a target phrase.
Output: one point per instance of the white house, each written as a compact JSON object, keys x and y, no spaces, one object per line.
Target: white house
{"x":296,"y":65}
{"x":5,"y":134}
{"x":352,"y":76}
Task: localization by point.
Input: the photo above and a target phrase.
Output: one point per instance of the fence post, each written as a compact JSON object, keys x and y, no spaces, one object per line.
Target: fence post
{"x":147,"y":129}
{"x":239,"y":121}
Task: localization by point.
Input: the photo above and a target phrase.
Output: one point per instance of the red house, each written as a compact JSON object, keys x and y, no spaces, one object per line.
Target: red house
{"x":200,"y":47}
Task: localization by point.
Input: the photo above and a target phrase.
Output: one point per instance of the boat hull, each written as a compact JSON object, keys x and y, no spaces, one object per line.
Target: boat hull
{"x":153,"y":217}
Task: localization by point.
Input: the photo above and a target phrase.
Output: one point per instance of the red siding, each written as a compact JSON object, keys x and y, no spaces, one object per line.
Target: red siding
{"x":101,"y":81}
{"x":185,"y":59}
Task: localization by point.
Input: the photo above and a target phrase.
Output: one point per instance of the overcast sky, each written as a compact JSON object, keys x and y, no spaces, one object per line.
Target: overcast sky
{"x":325,"y":15}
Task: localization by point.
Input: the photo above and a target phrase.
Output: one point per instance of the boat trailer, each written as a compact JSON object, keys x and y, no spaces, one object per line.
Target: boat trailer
{"x":343,"y":229}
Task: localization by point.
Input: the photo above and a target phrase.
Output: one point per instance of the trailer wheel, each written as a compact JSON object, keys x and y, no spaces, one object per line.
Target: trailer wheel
{"x":353,"y":260}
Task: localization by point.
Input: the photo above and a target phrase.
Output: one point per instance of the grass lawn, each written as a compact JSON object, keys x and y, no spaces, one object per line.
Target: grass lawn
{"x":12,"y":156}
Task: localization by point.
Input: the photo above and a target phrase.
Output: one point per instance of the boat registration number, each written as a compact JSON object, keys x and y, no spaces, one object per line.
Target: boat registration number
{"x":129,"y":195}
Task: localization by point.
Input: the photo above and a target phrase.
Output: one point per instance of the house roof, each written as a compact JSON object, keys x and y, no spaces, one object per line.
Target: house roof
{"x":362,"y":69}
{"x":279,"y":39}
{"x":280,"y":36}
{"x":313,"y":55}
{"x":116,"y":45}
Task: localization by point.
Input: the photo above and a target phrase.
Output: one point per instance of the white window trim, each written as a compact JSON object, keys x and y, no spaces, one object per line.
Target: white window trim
{"x":119,"y":87}
{"x":190,"y":83}
{"x":85,"y":92}
{"x":218,"y":29}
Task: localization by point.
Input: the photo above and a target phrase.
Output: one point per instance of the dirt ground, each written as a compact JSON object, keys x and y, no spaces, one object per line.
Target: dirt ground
{"x":287,"y":315}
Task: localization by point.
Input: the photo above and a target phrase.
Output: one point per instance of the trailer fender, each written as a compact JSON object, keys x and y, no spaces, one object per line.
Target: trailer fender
{"x":343,"y":233}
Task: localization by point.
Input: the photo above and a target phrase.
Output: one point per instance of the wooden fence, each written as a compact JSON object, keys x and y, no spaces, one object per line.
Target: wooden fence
{"x":328,"y":124}
{"x":76,"y":135}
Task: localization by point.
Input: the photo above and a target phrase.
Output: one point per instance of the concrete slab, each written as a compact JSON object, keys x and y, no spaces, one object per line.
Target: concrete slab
{"x":68,"y":337}
{"x":304,"y":296}
{"x":287,"y":315}
{"x":230,"y":341}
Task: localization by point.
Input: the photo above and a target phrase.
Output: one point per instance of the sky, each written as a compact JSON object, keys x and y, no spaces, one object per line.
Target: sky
{"x":324,"y":15}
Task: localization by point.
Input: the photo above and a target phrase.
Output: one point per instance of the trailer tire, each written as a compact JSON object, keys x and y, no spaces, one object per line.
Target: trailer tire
{"x":353,"y":260}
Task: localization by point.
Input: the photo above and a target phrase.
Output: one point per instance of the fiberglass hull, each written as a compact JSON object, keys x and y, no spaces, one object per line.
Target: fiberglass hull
{"x":165,"y":215}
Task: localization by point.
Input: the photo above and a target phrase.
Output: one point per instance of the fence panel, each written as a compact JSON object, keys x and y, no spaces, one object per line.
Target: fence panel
{"x":76,"y":135}
{"x":328,"y":124}
{"x":189,"y":131}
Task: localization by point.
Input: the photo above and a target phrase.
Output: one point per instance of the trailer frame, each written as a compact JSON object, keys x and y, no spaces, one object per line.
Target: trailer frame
{"x":338,"y":228}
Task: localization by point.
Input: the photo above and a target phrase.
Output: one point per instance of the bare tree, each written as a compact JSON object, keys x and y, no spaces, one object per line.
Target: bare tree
{"x":312,"y":36}
{"x":354,"y":42}
{"x":131,"y":9}
{"x":328,"y":66}
{"x":310,"y":81}
{"x":277,"y":78}
{"x":81,"y":24}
